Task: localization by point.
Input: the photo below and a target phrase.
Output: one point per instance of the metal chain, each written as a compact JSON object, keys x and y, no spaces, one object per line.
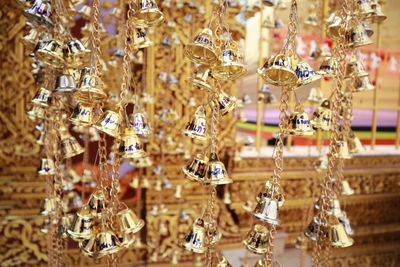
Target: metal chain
{"x":96,"y":37}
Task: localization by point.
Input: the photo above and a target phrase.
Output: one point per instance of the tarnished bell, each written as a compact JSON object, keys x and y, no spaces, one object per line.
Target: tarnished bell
{"x":110,"y":123}
{"x":147,"y":14}
{"x":107,"y":243}
{"x":31,"y":39}
{"x":82,"y":225}
{"x":267,"y":210}
{"x":315,"y":96}
{"x":65,"y":84}
{"x":362,"y":84}
{"x":140,"y":123}
{"x":215,"y":171}
{"x":337,"y":234}
{"x":196,"y":239}
{"x":322,"y":117}
{"x":226,"y":103}
{"x":305,"y":73}
{"x":196,"y":168}
{"x":201,"y":50}
{"x":358,"y":37}
{"x":328,"y":67}
{"x":278,"y":71}
{"x":90,"y":89}
{"x":197,"y":127}
{"x":346,"y":189}
{"x":141,"y":39}
{"x":230,"y":66}
{"x":354,"y":143}
{"x":46,"y":167}
{"x":256,"y":240}
{"x":82,"y":115}
{"x":49,"y":206}
{"x":42,"y":97}
{"x":200,"y":78}
{"x":97,"y":203}
{"x":128,"y":221}
{"x":40,"y":13}
{"x":299,"y":124}
{"x":51,"y":53}
{"x":89,"y":248}
{"x":342,"y":150}
{"x":131,"y":147}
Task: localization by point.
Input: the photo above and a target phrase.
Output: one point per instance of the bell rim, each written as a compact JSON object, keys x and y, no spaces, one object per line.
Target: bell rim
{"x":190,"y":176}
{"x":142,"y":22}
{"x":199,"y":84}
{"x":253,"y":249}
{"x":113,"y":133}
{"x":200,"y":60}
{"x":194,"y":136}
{"x":218,"y":72}
{"x":135,"y":229}
{"x":134,"y":155}
{"x":39,"y":21}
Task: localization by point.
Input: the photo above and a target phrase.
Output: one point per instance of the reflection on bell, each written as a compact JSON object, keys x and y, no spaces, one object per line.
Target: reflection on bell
{"x":107,"y":243}
{"x":201,"y":50}
{"x":127,"y":239}
{"x":267,"y":211}
{"x":269,"y":191}
{"x":147,"y":14}
{"x":141,"y":39}
{"x":358,"y":37}
{"x":368,"y":29}
{"x":231,"y":65}
{"x":346,"y":224}
{"x":82,"y":225}
{"x":82,"y":115}
{"x":31,"y":39}
{"x":41,"y":97}
{"x":337,"y":235}
{"x":322,"y":117}
{"x":140,"y":123}
{"x":363,"y":84}
{"x":346,"y":189}
{"x":40,"y":13}
{"x":215,"y":171}
{"x":377,"y":16}
{"x":196,"y":169}
{"x":342,"y":150}
{"x":46,"y":167}
{"x":305,"y":73}
{"x":226,"y":103}
{"x":90,"y":90}
{"x":354,"y":143}
{"x":278,"y":70}
{"x":256,"y":240}
{"x":51,"y":53}
{"x":315,"y":96}
{"x":197,"y":127}
{"x":200,"y":78}
{"x":70,"y":147}
{"x":299,"y":124}
{"x":65,"y":84}
{"x":301,"y":243}
{"x":321,"y":164}
{"x":328,"y":67}
{"x":130,"y":146}
{"x":96,"y":203}
{"x":196,"y":239}
{"x":49,"y":206}
{"x":129,"y":222}
{"x":110,"y":123}
{"x":89,"y":247}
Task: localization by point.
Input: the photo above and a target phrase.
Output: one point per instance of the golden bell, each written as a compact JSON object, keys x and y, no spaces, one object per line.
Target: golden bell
{"x":141,"y":39}
{"x":89,"y":247}
{"x":97,"y":203}
{"x":107,"y":243}
{"x":110,"y":123}
{"x":305,"y":73}
{"x":267,"y":210}
{"x":140,"y":124}
{"x":311,"y":20}
{"x":377,"y":16}
{"x":129,"y":222}
{"x":354,"y":143}
{"x":90,"y":89}
{"x":226,"y":103}
{"x":312,"y":229}
{"x":134,"y":183}
{"x":49,"y":206}
{"x":335,"y":25}
{"x":31,"y":39}
{"x":328,"y":67}
{"x":364,"y":8}
{"x":321,"y":164}
{"x":358,"y":37}
{"x":342,"y":150}
{"x":76,"y":54}
{"x":52,"y":54}
{"x":218,"y":260}
{"x":82,"y":225}
{"x":63,"y":226}
{"x":257,"y":239}
{"x":299,"y":124}
{"x":85,"y":12}
{"x":40,"y":13}
{"x":197,"y":127}
{"x":127,"y":239}
{"x":65,"y":84}
{"x":338,"y":237}
{"x":362,"y":84}
{"x":215,"y":171}
{"x":322,"y":117}
{"x":196,"y":239}
{"x":82,"y":115}
{"x":46,"y":167}
{"x":355,"y":68}
{"x":42,"y":97}
{"x":300,"y":243}
{"x":45,"y":226}
{"x":200,"y":78}
{"x":334,"y":207}
{"x":202,"y":50}
{"x":147,"y":14}
{"x":278,"y":71}
{"x":346,"y":189}
{"x":70,"y":147}
{"x":131,"y":147}
{"x":346,"y":224}
{"x":196,"y":169}
{"x":231,"y":65}
{"x":142,"y":162}
{"x":315,"y":96}
{"x":272,"y":192}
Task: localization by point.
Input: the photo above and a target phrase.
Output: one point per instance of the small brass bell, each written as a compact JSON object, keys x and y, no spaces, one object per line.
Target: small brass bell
{"x":377,"y":16}
{"x":45,"y":226}
{"x":300,"y":243}
{"x":70,"y":147}
{"x":321,"y":165}
{"x":90,"y":89}
{"x":215,"y":171}
{"x":76,"y":54}
{"x":147,"y":14}
{"x":335,"y":25}
{"x":337,"y":234}
{"x":82,"y":225}
{"x":31,"y":39}
{"x":107,"y":243}
{"x":273,"y":192}
{"x":346,"y":224}
{"x":42,"y":97}
{"x":202,"y":50}
{"x":311,"y":231}
{"x":342,"y":150}
{"x":278,"y":70}
{"x":82,"y":115}
{"x":200,"y":78}
{"x":85,"y":12}
{"x":315,"y":96}
{"x":97,"y":203}
{"x":362,"y":84}
{"x":322,"y":117}
{"x":334,"y":207}
{"x":267,"y":210}
{"x":51,"y":53}
{"x":355,"y":68}
{"x":196,"y":239}
{"x":196,"y":169}
{"x":129,"y":222}
{"x":142,"y":162}
{"x":329,"y":67}
{"x":40,"y":13}
{"x":63,"y":225}
{"x":145,"y":183}
{"x":197,"y":127}
{"x":141,"y":39}
{"x":226,"y":103}
{"x":311,"y":20}
{"x":305,"y":73}
{"x":364,"y":8}
{"x":256,"y":240}
{"x":354,"y":143}
{"x":131,"y":147}
{"x":46,"y":167}
{"x":218,"y":260}
{"x":49,"y":206}
{"x":140,"y":123}
{"x":127,"y":239}
{"x":358,"y":37}
{"x":36,"y":113}
{"x":346,"y":189}
{"x":89,"y":247}
{"x":231,"y":65}
{"x":110,"y":123}
{"x":299,"y":124}
{"x":65,"y":84}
